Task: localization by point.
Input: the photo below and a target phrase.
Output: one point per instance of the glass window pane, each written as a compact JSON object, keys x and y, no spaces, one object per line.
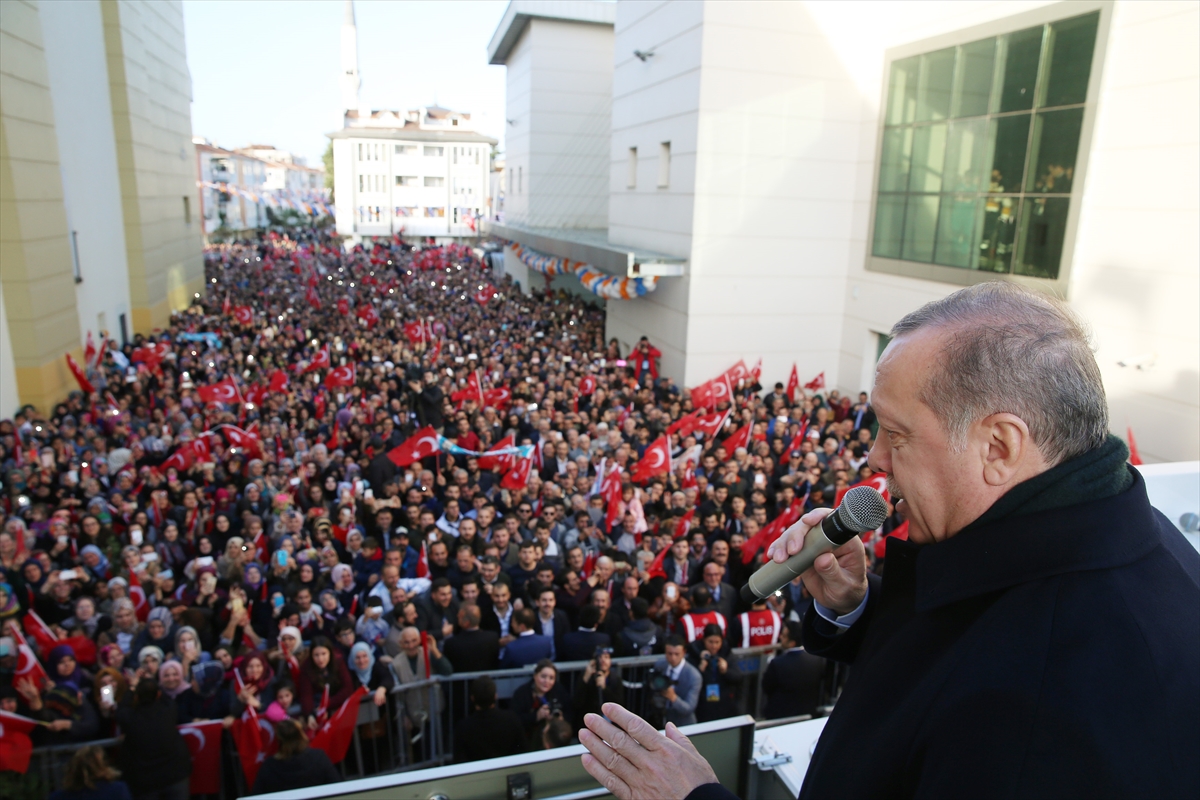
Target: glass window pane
{"x":1009,"y":140}
{"x":1055,"y":145}
{"x":889,"y":225}
{"x":920,"y":225}
{"x":956,"y":237}
{"x":902,"y":91}
{"x":1023,"y":49}
{"x":895,"y":159}
{"x":967,"y":155}
{"x":928,"y":156}
{"x":1043,"y":227}
{"x":1072,"y":43}
{"x":998,"y":234}
{"x":974,"y":83}
{"x":937,"y":81}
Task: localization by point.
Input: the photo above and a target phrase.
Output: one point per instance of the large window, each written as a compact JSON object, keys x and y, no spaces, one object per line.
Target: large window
{"x":979,"y":150}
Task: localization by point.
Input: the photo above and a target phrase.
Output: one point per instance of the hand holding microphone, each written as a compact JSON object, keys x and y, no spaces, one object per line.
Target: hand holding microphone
{"x":825,"y":550}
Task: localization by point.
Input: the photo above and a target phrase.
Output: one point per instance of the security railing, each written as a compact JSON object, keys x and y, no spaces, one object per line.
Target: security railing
{"x":415,"y":728}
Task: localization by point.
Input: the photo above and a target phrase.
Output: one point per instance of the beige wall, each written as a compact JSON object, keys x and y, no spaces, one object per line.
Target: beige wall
{"x":151,"y":92}
{"x":35,"y":253}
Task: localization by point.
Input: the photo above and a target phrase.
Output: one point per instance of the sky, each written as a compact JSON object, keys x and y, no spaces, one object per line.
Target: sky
{"x":266,"y":72}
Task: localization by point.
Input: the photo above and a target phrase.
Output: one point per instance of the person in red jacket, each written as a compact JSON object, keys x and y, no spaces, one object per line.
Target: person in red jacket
{"x":645,"y":358}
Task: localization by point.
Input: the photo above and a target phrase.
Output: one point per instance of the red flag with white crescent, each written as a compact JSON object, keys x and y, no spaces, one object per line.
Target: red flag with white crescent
{"x":16,"y":748}
{"x":793,"y":384}
{"x":655,"y":461}
{"x":491,"y":462}
{"x":739,"y":438}
{"x":421,"y":444}
{"x":816,"y":383}
{"x":80,"y":377}
{"x":28,"y":666}
{"x":335,"y":735}
{"x":738,"y":372}
{"x":244,"y":315}
{"x":518,"y":476}
{"x":321,"y":360}
{"x":224,"y":391}
{"x":340,"y":376}
{"x":204,"y":743}
{"x":711,"y":424}
{"x":137,"y":595}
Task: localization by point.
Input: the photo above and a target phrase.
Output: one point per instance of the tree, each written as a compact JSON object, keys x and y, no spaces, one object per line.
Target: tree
{"x":327,"y":159}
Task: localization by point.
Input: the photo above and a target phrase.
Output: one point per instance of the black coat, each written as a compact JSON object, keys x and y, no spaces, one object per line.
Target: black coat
{"x":1053,"y":654}
{"x":310,"y":767}
{"x":792,"y":684}
{"x":489,"y":734}
{"x":154,"y":754}
{"x":473,"y":651}
{"x":580,"y":645}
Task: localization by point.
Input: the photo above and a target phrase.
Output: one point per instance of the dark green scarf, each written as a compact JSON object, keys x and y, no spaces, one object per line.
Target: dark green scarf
{"x":1096,"y":474}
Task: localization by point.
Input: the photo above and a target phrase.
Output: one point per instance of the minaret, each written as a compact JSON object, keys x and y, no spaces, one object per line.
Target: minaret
{"x":350,"y":81}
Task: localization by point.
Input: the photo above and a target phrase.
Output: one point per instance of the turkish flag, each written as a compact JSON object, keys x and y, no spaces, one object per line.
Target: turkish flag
{"x":181,"y":460}
{"x":335,"y":735}
{"x":415,"y":332}
{"x":656,"y":569}
{"x":251,"y":744}
{"x":1135,"y":457}
{"x":225,"y":306}
{"x":244,"y":315}
{"x":28,"y":665}
{"x":485,"y":294}
{"x":712,"y":393}
{"x":313,"y":298}
{"x":89,"y":351}
{"x":204,"y":743}
{"x":900,"y":532}
{"x":587,"y":385}
{"x":85,"y":648}
{"x":684,"y":425}
{"x":793,"y":384}
{"x":320,"y":361}
{"x":341,"y":376}
{"x":369,"y":315}
{"x":201,"y":449}
{"x":137,"y":595}
{"x":771,"y":531}
{"x":756,"y":372}
{"x":739,"y":438}
{"x":685,"y":523}
{"x":80,"y":378}
{"x":499,"y":397}
{"x":655,"y":461}
{"x":518,"y":477}
{"x":738,"y":372}
{"x":797,"y":440}
{"x":421,"y":444}
{"x":610,"y":490}
{"x":279,"y":381}
{"x":435,"y":351}
{"x":502,"y":461}
{"x":878,"y":482}
{"x":343,"y":306}
{"x":16,"y":748}
{"x":711,"y":424}
{"x":244,"y":440}
{"x":257,"y":394}
{"x":816,"y":383}
{"x":225,"y":391}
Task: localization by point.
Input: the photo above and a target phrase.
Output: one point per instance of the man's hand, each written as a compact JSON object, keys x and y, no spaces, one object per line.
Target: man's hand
{"x":630,"y":759}
{"x":669,"y":694}
{"x":836,"y":580}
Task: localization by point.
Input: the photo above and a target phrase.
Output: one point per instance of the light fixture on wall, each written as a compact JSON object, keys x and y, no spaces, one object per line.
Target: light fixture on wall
{"x":644,"y":55}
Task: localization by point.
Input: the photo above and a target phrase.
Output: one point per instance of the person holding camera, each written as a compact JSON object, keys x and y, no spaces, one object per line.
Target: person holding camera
{"x":722,"y":679}
{"x":543,"y":697}
{"x":601,"y":684}
{"x":676,"y":684}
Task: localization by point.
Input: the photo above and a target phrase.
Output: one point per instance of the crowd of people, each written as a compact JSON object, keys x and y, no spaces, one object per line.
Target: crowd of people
{"x":287,"y":495}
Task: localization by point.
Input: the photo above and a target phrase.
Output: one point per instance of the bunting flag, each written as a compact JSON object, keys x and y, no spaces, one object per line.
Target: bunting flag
{"x":204,"y":743}
{"x":816,"y":384}
{"x":598,"y":283}
{"x":421,"y":444}
{"x":793,"y":384}
{"x":80,"y":377}
{"x":335,"y":735}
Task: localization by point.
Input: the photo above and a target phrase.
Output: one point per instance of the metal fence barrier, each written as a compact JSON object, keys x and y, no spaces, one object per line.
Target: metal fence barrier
{"x":415,"y":727}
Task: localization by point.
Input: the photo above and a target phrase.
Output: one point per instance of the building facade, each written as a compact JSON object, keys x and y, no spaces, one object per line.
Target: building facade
{"x":99,"y":229}
{"x":825,"y":168}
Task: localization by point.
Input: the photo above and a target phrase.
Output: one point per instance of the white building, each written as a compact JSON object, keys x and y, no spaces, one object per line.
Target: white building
{"x":824,"y":168}
{"x":423,"y":172}
{"x":286,"y":172}
{"x":232,"y":188}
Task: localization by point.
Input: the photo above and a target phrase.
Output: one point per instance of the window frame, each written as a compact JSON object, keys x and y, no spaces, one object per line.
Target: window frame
{"x":959,"y":276}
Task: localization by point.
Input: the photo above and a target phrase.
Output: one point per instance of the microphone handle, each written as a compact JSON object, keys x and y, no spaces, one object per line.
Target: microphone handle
{"x":772,"y":577}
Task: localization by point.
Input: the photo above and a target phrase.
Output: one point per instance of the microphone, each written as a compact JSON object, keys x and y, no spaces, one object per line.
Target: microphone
{"x":862,"y":509}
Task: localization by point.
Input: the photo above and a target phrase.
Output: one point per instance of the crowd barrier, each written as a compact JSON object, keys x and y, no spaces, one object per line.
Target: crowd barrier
{"x":415,"y":728}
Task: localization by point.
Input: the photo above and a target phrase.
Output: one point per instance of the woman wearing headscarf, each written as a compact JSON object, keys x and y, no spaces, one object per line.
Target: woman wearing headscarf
{"x":86,"y":621}
{"x":208,"y":697}
{"x":230,"y":565}
{"x":253,"y":680}
{"x":288,"y":653}
{"x":187,"y":648}
{"x":10,"y":606}
{"x":159,"y":631}
{"x":149,"y":659}
{"x":173,"y":682}
{"x":367,"y":671}
{"x":343,"y":584}
{"x":125,"y":626}
{"x":172,"y":552}
{"x":63,"y":704}
{"x":95,"y":562}
{"x":108,"y":691}
{"x":323,"y":669}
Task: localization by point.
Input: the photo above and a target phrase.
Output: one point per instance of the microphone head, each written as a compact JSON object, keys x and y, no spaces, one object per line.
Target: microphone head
{"x":863,"y":509}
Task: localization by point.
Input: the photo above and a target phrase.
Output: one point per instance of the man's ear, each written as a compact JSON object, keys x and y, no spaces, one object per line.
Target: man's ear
{"x":1008,"y":449}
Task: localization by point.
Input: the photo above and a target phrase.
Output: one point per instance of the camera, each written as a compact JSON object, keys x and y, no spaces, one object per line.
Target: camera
{"x":660,"y":681}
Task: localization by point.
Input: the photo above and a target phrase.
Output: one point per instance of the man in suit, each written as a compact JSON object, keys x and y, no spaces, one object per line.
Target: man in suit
{"x":721,"y":594}
{"x":678,"y":701}
{"x":529,"y":647}
{"x":792,"y":683}
{"x":580,"y":645}
{"x":551,"y":622}
{"x":437,"y":611}
{"x":489,"y":732}
{"x":471,"y":649}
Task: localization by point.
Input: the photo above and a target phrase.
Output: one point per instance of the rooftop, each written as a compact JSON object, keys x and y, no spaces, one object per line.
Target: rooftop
{"x":519,"y":12}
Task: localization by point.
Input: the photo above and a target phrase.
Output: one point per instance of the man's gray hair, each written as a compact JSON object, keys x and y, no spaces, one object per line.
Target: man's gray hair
{"x":1013,"y":350}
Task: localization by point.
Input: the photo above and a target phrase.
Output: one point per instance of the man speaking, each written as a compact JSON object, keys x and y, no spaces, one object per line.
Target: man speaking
{"x":1039,"y":633}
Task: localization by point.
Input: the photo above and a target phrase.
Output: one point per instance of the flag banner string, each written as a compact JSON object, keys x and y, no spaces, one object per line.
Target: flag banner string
{"x":598,"y":283}
{"x":447,"y":446}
